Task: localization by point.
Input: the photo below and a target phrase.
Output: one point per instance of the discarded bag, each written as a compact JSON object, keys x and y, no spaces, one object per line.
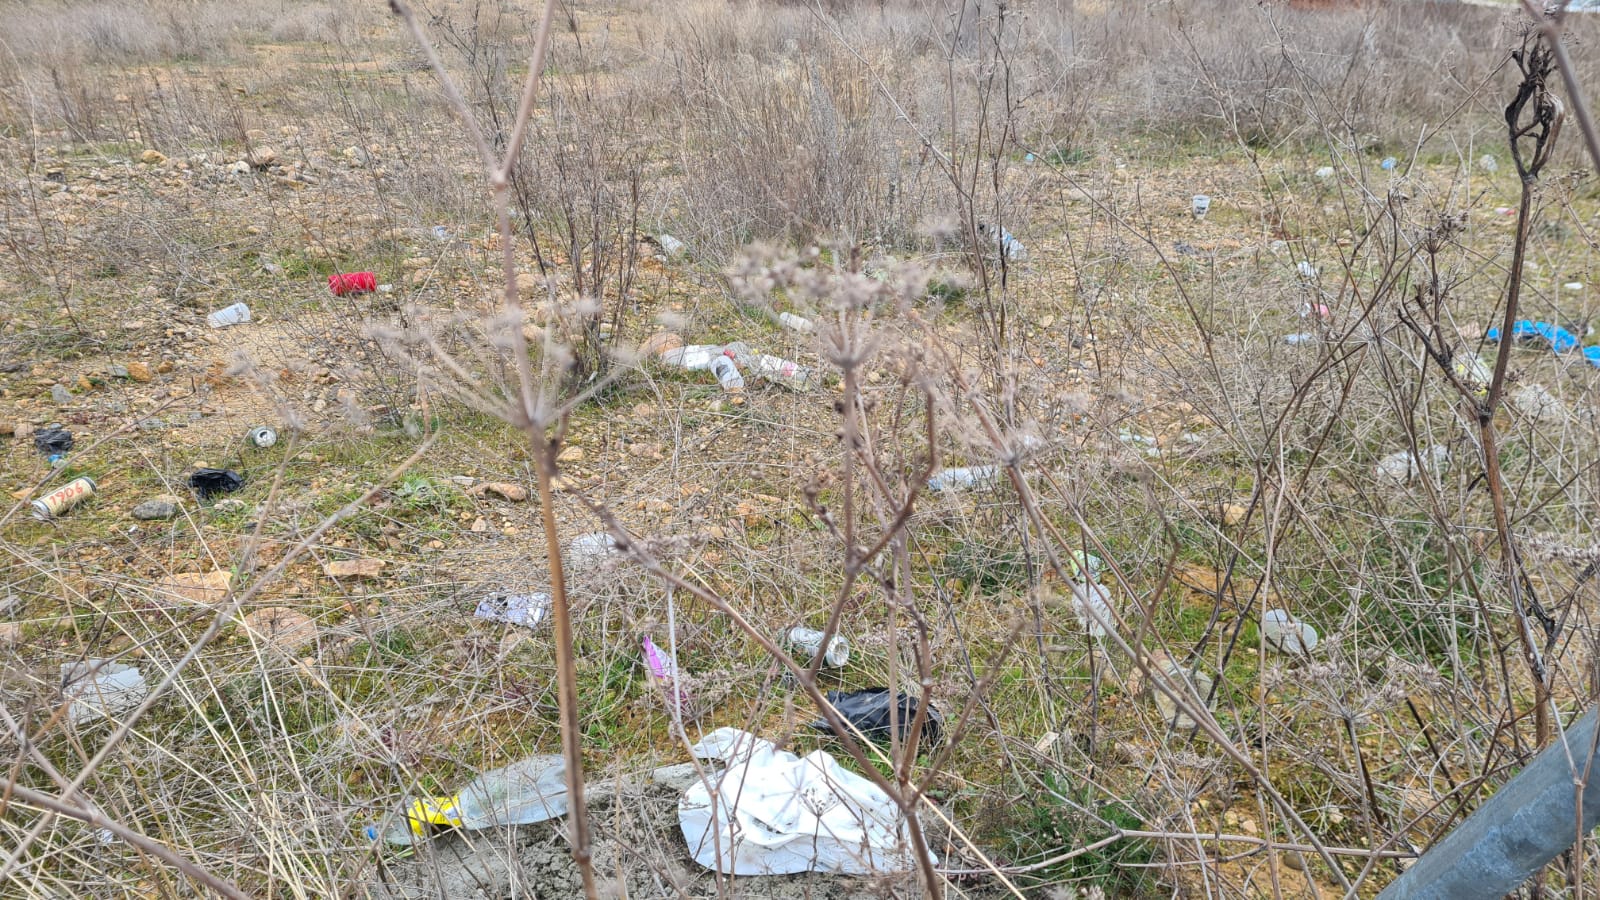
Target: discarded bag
{"x":209,"y":482}
{"x":868,"y":710}
{"x":352,"y":283}
{"x":1281,"y":632}
{"x":774,"y":813}
{"x":524,"y":793}
{"x":53,"y":440}
{"x":527,"y":610}
{"x":98,"y":687}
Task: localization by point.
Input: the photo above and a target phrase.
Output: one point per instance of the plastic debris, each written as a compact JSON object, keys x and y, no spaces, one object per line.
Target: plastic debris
{"x":351,"y":283}
{"x":1200,"y":205}
{"x":1091,"y":604}
{"x":53,"y":440}
{"x":1473,"y":372}
{"x":1141,"y":442}
{"x":727,"y":374}
{"x":524,"y":793}
{"x":591,"y":549}
{"x":1281,"y":632}
{"x":796,"y":323}
{"x":1320,"y":310}
{"x":774,"y":813}
{"x":1536,"y":401}
{"x":1085,"y":566}
{"x":963,"y":478}
{"x":1306,"y":270}
{"x":527,"y":610}
{"x":868,"y":710}
{"x":1388,"y":164}
{"x":671,"y":246}
{"x":441,"y":233}
{"x":1488,"y":163}
{"x":1325,"y":172}
{"x":782,"y":372}
{"x":1170,"y":712}
{"x":207,"y":483}
{"x":261,"y":436}
{"x":1008,"y":246}
{"x":100,"y":687}
{"x":809,"y":641}
{"x":693,"y":357}
{"x":664,"y":672}
{"x":237,"y":314}
{"x":1304,"y":337}
{"x":1527,"y":330}
{"x":1400,"y":467}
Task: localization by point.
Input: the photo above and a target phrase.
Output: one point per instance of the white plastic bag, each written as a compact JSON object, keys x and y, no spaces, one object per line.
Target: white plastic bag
{"x":777,"y":814}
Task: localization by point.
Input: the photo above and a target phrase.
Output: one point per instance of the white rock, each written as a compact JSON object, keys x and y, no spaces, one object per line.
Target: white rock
{"x":1281,"y":632}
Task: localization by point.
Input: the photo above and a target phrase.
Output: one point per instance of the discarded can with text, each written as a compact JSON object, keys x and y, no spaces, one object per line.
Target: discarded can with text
{"x":63,"y":498}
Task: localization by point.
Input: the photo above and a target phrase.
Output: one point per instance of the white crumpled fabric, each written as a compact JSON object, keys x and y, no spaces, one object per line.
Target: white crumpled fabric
{"x":776,"y":814}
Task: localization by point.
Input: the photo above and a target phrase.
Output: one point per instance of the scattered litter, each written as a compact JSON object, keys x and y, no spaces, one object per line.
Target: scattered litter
{"x":527,"y":610}
{"x":1085,"y":566}
{"x":1304,"y":337}
{"x":773,"y":813}
{"x":100,"y":687}
{"x":1320,"y":310}
{"x":1325,"y":172}
{"x":963,"y":478}
{"x":441,"y":233}
{"x":796,"y":323}
{"x":1170,"y":713}
{"x":727,"y":374}
{"x":208,"y":482}
{"x":53,"y":440}
{"x":1388,"y":163}
{"x":1592,"y":354}
{"x":1488,"y":163}
{"x":1046,"y":741}
{"x":1200,"y":205}
{"x":1140,"y":442}
{"x":524,"y":793}
{"x":1091,"y":604}
{"x":1527,"y":330}
{"x":809,"y":641}
{"x":1400,"y":467}
{"x":237,"y":314}
{"x":693,"y":357}
{"x":1473,"y":372}
{"x":664,"y":671}
{"x":1505,"y":211}
{"x":63,"y":498}
{"x":351,"y":283}
{"x":261,"y":436}
{"x":1306,"y":270}
{"x":589,"y":549}
{"x":1573,"y":285}
{"x":1281,"y":632}
{"x":782,"y":372}
{"x":868,"y":710}
{"x":671,"y":246}
{"x":1536,"y":401}
{"x":1008,"y":246}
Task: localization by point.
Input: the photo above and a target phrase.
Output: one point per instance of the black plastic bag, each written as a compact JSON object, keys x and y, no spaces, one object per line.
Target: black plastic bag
{"x":868,"y":710}
{"x":51,"y":441}
{"x":207,"y":482}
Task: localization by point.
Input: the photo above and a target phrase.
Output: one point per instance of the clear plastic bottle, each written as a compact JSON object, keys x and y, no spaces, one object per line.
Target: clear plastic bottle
{"x":781,"y":371}
{"x":524,"y":793}
{"x":958,"y":479}
{"x":796,"y":323}
{"x":727,"y":374}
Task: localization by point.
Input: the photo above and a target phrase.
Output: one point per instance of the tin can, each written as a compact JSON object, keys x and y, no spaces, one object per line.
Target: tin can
{"x":262,"y":436}
{"x":63,"y":498}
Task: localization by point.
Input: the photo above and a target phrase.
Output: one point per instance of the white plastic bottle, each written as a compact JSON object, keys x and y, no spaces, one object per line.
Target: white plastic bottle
{"x":781,"y":371}
{"x":796,"y":323}
{"x":694,"y":356}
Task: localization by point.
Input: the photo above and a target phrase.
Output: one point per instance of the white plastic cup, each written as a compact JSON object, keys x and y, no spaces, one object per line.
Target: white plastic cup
{"x":237,"y":314}
{"x":1201,"y":205}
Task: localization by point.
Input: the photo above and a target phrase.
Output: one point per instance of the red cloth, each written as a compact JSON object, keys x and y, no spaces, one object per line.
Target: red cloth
{"x":353,"y":283}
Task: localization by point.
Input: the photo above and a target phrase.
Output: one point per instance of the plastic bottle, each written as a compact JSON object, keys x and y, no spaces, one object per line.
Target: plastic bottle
{"x":966,"y":477}
{"x":526,"y":792}
{"x":796,"y":323}
{"x":809,"y":641}
{"x":694,"y":356}
{"x":727,"y":374}
{"x":781,"y":371}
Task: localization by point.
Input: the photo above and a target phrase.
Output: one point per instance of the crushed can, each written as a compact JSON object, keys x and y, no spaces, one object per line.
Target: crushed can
{"x":261,"y":436}
{"x":63,"y":498}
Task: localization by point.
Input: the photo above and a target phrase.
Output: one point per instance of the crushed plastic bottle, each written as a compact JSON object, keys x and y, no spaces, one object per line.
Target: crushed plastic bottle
{"x":524,"y":793}
{"x":782,"y":372}
{"x":963,"y":478}
{"x":1281,"y":632}
{"x":796,"y":323}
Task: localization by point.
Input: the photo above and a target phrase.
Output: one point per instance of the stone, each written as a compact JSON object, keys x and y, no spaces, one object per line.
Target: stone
{"x":158,"y":508}
{"x":1234,"y":514}
{"x":10,"y":633}
{"x":152,"y":157}
{"x":205,"y":588}
{"x":60,"y":394}
{"x":355,"y":568}
{"x":260,"y":157}
{"x":571,"y":454}
{"x":117,"y":371}
{"x":516,"y":493}
{"x":282,"y":628}
{"x":138,"y":371}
